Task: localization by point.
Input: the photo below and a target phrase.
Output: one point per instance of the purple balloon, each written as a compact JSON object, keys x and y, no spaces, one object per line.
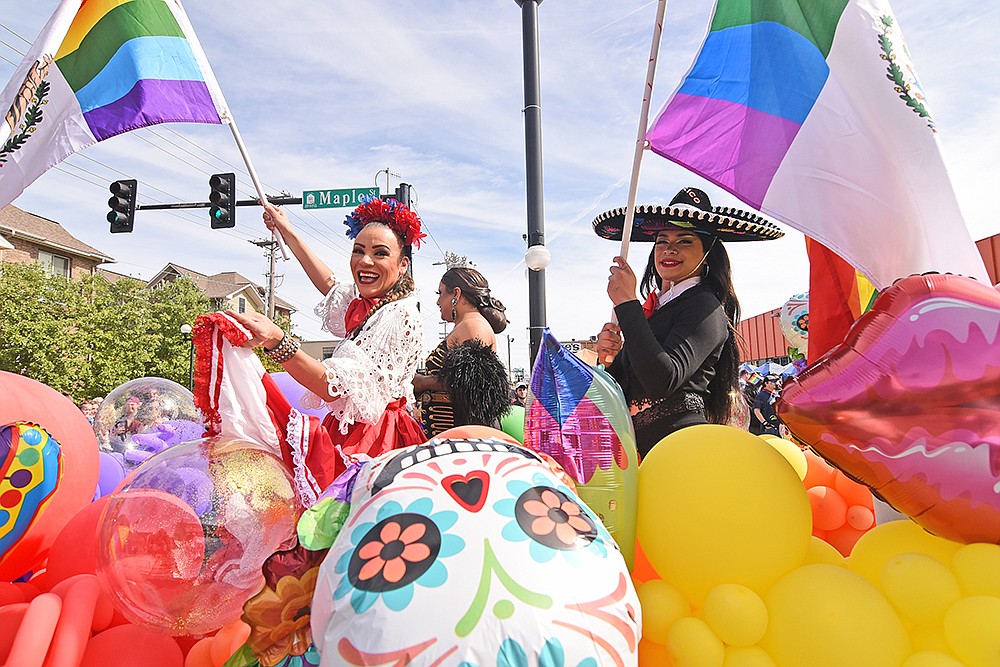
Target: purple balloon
{"x":293,"y":391}
{"x":111,"y":474}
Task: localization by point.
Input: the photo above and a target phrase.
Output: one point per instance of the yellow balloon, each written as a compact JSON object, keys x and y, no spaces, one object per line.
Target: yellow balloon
{"x":972,"y":628}
{"x":693,"y":644}
{"x":747,"y":656}
{"x":662,"y":604}
{"x":977,"y":567}
{"x":792,"y":453}
{"x":920,"y":588}
{"x":932,"y":659}
{"x":717,"y":505}
{"x":881,"y":543}
{"x":652,"y":654}
{"x":735,"y":614}
{"x":828,"y":616}
{"x":931,"y":640}
{"x":821,"y":551}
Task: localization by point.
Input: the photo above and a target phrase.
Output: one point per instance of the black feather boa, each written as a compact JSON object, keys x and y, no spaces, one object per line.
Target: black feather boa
{"x":477,"y":383}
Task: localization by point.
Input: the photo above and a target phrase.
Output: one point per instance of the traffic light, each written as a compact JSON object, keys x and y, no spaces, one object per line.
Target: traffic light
{"x":223,"y":197}
{"x":122,"y":203}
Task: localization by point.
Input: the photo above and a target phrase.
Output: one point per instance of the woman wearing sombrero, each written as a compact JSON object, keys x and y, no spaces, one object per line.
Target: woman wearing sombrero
{"x":675,"y":355}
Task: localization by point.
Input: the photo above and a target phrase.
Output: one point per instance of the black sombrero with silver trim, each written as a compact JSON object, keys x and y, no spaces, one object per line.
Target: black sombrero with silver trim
{"x":689,"y":209}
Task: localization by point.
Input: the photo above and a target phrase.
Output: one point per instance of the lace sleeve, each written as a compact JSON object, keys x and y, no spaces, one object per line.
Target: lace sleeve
{"x":333,"y":307}
{"x":375,"y":368}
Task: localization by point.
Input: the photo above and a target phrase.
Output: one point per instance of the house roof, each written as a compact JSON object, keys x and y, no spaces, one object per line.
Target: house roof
{"x":16,"y":222}
{"x":219,"y":285}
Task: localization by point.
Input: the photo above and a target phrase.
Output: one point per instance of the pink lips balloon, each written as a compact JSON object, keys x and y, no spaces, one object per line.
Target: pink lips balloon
{"x":909,"y":404}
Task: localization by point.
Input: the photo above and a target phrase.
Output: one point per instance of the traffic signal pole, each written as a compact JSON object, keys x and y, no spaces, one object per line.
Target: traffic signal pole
{"x":277,"y":201}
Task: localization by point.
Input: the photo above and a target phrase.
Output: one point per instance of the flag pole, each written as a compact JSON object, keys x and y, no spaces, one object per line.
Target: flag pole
{"x":640,"y":141}
{"x":256,"y":181}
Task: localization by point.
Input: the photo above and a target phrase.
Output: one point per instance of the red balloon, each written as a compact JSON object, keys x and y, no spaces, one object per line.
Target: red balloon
{"x":908,"y":404}
{"x":128,"y":646}
{"x":46,"y":474}
{"x":74,"y":550}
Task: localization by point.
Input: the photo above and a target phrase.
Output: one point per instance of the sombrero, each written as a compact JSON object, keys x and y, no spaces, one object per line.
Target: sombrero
{"x":689,"y":209}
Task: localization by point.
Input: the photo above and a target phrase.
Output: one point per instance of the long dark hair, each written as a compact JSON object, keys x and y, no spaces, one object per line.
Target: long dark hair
{"x":476,"y":290}
{"x":716,"y":274}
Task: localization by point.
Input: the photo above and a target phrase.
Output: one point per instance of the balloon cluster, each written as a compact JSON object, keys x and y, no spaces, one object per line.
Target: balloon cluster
{"x":729,"y":574}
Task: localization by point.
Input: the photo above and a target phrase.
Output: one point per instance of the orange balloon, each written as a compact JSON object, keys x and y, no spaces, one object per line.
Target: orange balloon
{"x":200,"y":654}
{"x":819,"y":472}
{"x":654,"y":655}
{"x":828,"y":508}
{"x":74,"y":550}
{"x":230,"y":637}
{"x":643,"y":571}
{"x":57,"y":485}
{"x":844,"y":538}
{"x":129,"y":645}
{"x":853,"y":492}
{"x":860,"y":517}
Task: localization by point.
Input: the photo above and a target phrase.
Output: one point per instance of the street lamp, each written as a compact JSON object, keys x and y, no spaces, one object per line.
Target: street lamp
{"x":186,"y":332}
{"x":510,"y":370}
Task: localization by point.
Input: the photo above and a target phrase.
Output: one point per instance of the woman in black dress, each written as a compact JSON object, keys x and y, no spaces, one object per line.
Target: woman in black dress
{"x":675,"y":356}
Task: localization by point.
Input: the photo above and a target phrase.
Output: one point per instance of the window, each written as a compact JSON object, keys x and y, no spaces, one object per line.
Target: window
{"x":242,"y":305}
{"x":54,"y":264}
{"x":328,"y":351}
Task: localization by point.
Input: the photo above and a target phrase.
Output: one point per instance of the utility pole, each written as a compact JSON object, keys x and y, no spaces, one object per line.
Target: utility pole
{"x":272,"y":247}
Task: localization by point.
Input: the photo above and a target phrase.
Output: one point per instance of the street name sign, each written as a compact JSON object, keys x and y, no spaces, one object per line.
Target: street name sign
{"x":342,"y":198}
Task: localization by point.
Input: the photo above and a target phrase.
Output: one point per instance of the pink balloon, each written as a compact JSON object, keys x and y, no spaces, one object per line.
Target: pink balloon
{"x":908,"y":404}
{"x":35,"y":634}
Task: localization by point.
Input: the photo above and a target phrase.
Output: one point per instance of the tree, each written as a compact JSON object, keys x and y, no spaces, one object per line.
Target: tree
{"x":89,"y":336}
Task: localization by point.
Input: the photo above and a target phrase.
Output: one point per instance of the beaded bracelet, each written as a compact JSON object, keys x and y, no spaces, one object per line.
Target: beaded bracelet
{"x":285,"y":350}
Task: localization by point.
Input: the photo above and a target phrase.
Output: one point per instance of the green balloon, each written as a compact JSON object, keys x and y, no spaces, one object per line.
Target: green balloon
{"x":512,"y":423}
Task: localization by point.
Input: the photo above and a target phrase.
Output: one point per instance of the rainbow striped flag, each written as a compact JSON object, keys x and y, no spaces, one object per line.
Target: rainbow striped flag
{"x":98,"y":69}
{"x":810,"y":111}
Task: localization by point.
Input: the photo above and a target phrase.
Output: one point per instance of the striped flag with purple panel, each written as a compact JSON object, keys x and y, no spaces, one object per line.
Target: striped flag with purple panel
{"x":98,"y":69}
{"x":810,"y":111}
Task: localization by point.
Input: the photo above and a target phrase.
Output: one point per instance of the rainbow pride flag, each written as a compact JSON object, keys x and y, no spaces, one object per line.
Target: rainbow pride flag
{"x":98,"y":69}
{"x":810,"y":111}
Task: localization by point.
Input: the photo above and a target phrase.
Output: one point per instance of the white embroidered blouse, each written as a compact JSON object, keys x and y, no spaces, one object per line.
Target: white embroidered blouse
{"x":375,"y":367}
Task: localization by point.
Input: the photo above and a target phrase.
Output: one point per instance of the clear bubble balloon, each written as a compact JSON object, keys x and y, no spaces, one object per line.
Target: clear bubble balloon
{"x":144,"y":417}
{"x":183,"y":541}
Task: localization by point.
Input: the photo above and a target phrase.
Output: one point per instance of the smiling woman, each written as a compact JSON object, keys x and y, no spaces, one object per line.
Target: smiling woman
{"x":366,"y":383}
{"x":675,"y":355}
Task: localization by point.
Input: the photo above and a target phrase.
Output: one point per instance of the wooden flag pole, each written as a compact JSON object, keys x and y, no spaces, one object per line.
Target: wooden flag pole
{"x":640,"y":141}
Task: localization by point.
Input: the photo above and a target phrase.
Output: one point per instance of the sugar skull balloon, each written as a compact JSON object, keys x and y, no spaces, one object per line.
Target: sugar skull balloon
{"x":794,"y":316}
{"x":471,"y":551}
{"x":908,"y":404}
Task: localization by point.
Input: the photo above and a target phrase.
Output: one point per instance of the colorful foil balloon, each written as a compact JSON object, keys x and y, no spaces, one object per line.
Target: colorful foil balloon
{"x":470,"y":551}
{"x":909,"y":404}
{"x":794,"y":317}
{"x":580,"y":418}
{"x":48,"y":470}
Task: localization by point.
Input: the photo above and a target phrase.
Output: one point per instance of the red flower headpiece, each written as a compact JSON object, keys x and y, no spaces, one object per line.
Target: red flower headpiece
{"x":396,"y":216}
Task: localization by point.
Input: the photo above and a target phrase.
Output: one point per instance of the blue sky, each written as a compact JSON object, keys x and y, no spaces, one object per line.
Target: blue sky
{"x":327,"y":94}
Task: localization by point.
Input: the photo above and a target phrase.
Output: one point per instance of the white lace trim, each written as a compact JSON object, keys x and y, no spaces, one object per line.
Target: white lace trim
{"x":368,"y":372}
{"x":298,"y":441}
{"x":333,"y":307}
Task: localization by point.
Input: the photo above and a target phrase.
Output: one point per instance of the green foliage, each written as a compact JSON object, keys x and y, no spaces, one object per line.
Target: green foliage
{"x":86,"y":337}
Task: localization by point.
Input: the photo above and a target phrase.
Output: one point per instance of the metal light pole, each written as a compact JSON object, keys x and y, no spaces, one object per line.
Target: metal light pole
{"x":537,"y":255}
{"x":186,"y":332}
{"x":510,"y":370}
